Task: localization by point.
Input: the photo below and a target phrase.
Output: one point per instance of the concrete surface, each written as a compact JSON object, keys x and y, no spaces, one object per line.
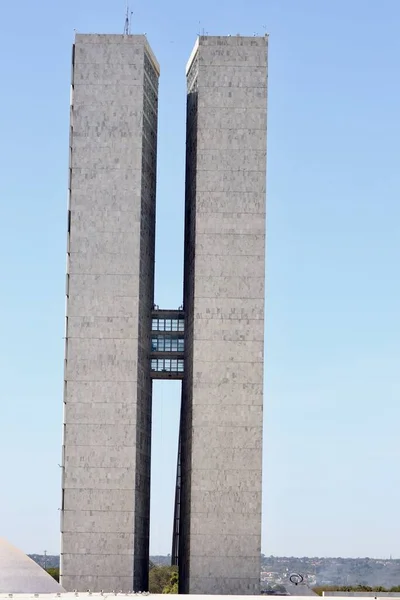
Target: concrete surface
{"x":110,"y":289}
{"x":224,"y":303}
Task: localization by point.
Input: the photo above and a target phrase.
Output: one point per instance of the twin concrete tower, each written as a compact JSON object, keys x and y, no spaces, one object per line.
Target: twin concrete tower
{"x":118,"y":340}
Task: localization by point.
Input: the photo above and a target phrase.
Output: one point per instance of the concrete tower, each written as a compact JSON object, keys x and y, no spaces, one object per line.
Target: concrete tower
{"x":118,"y":341}
{"x":221,"y":432}
{"x":110,"y":280}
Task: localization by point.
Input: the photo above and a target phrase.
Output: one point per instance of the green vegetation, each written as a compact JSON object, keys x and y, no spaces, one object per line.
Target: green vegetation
{"x":358,"y":588}
{"x":54,"y":572}
{"x":163,"y":580}
{"x":172,"y":587}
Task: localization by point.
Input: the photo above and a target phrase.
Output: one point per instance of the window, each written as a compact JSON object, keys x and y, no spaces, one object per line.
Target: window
{"x":174,"y":325}
{"x":167,"y":343}
{"x":167,"y":365}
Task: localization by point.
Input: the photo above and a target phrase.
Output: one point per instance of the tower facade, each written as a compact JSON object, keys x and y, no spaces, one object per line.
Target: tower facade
{"x":118,"y":340}
{"x":110,"y":283}
{"x":221,"y":452}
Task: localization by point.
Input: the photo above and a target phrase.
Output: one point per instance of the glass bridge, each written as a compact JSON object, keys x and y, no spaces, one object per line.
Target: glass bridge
{"x":167,"y":344}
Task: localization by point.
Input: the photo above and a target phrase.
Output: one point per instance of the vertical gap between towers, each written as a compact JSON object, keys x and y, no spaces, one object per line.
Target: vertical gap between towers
{"x":164,"y":454}
{"x":171,"y":140}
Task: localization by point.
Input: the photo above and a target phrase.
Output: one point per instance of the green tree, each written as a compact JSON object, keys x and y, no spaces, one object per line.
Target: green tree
{"x":54,"y":572}
{"x":172,"y":587}
{"x":159,"y":578}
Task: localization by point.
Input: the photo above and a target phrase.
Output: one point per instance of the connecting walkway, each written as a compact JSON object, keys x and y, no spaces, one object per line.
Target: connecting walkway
{"x":167,"y":343}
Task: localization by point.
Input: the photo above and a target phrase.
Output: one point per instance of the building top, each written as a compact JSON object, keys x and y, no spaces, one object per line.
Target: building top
{"x":116,"y":38}
{"x":226,"y":40}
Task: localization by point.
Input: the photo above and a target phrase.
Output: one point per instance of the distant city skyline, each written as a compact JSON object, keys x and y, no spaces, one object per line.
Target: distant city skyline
{"x":333,"y":329}
{"x":320,"y":571}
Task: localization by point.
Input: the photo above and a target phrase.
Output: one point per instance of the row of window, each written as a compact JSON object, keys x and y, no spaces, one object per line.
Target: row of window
{"x":167,"y":365}
{"x":191,"y":78}
{"x":164,"y":343}
{"x":168,"y":325}
{"x":150,"y":72}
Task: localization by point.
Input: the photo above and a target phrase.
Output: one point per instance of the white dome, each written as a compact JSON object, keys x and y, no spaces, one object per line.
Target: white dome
{"x":19,"y":574}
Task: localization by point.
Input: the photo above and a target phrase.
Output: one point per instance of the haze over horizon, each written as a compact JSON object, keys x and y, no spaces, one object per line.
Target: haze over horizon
{"x":331,"y":446}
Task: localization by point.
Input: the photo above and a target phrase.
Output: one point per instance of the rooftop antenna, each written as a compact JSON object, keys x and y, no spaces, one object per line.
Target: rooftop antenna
{"x":128,"y":20}
{"x":202,"y":31}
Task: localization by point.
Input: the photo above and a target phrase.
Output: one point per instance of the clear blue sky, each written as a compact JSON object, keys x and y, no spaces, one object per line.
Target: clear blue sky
{"x":332,"y":382}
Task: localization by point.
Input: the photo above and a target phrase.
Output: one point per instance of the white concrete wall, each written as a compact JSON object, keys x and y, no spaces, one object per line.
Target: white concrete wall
{"x":105,"y":516}
{"x":224,"y":303}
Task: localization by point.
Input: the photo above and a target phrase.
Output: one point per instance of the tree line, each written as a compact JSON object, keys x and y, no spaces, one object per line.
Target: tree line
{"x":358,"y":588}
{"x":162,"y":580}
